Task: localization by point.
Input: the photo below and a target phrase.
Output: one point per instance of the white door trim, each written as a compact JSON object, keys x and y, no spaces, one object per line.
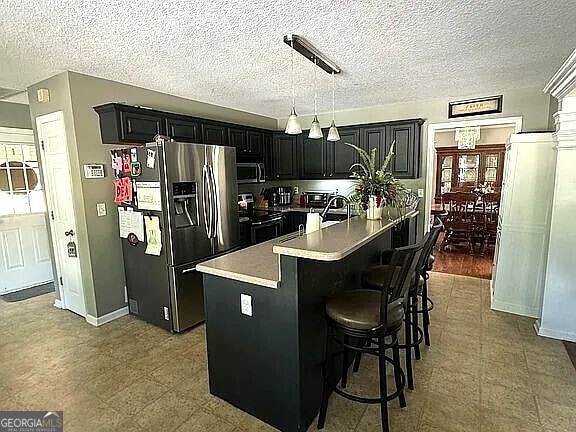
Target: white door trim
{"x":431,"y":154}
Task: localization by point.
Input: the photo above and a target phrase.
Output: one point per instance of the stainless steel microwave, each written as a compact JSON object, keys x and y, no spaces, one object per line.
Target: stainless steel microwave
{"x":250,"y":172}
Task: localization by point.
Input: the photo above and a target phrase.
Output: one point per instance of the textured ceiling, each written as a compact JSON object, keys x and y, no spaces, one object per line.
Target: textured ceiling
{"x":231,"y":53}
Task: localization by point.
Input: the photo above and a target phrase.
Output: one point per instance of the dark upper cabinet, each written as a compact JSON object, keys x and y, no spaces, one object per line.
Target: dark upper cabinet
{"x":214,"y":133}
{"x":375,"y":137}
{"x":183,"y":130}
{"x":341,"y":156}
{"x":125,"y":124}
{"x":406,"y":138}
{"x":254,"y":141}
{"x":267,"y":155}
{"x":237,"y":138}
{"x":313,"y":158}
{"x":285,"y":157}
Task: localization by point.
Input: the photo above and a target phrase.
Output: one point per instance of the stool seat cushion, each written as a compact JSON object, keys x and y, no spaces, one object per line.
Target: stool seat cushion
{"x":360,"y":310}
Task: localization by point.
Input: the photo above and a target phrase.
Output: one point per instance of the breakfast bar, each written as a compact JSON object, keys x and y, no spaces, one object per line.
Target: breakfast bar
{"x":265,"y":323}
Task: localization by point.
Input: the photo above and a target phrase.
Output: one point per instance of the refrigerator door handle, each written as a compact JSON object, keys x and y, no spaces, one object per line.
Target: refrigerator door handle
{"x":214,"y":203}
{"x":206,"y":201}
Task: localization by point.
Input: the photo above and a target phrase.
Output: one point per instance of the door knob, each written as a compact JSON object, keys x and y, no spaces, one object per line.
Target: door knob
{"x":69,"y":233}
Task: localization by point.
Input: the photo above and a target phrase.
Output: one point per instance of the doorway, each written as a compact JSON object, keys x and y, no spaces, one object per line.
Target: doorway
{"x":56,"y":169}
{"x":464,"y":178}
{"x":24,"y":249}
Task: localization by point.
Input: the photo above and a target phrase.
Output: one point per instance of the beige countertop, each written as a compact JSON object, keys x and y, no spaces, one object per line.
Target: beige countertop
{"x":260,"y":264}
{"x":295,"y":208}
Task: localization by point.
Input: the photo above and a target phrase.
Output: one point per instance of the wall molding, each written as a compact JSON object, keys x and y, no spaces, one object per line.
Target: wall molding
{"x":98,"y":321}
{"x":554,"y":334}
{"x":58,"y":304}
{"x":564,"y":80}
{"x":532,"y":312}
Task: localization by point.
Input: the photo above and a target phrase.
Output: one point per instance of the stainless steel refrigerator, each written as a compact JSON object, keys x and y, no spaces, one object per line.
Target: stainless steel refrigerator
{"x":198,"y":220}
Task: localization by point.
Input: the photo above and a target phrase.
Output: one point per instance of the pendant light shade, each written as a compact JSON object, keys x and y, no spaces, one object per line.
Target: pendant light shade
{"x":315,"y":129}
{"x":333,"y":134}
{"x":293,"y":125}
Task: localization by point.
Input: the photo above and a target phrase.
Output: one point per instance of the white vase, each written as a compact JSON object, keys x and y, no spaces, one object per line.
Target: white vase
{"x":373,"y":212}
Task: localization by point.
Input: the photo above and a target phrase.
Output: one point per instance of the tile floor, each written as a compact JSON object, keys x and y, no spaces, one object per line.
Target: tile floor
{"x":485,"y":371}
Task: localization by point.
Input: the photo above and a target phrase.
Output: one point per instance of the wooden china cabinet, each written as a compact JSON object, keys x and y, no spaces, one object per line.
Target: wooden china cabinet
{"x":461,"y":170}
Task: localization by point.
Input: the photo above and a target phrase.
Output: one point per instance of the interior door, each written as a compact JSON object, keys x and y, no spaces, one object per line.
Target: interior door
{"x":55,"y":163}
{"x":24,"y":251}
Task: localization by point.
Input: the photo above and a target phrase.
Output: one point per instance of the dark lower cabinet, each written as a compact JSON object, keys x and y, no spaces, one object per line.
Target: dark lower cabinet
{"x":285,"y":157}
{"x":292,"y":220}
{"x":183,"y":130}
{"x":214,"y":134}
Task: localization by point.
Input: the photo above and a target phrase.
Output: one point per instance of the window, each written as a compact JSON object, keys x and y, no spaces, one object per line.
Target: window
{"x":21,"y":190}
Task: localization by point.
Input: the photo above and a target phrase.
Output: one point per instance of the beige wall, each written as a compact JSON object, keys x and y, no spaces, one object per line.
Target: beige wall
{"x":99,"y":244}
{"x":14,"y":115}
{"x":488,"y":135}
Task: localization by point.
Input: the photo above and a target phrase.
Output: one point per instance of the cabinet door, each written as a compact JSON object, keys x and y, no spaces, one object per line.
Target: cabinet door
{"x":237,"y":138}
{"x":284,"y":151}
{"x":183,"y":130}
{"x":375,"y":138}
{"x":404,"y":163}
{"x":268,"y":157}
{"x":254,"y":143}
{"x":214,"y":134}
{"x":312,"y":157}
{"x":140,"y":127}
{"x":340,"y":156}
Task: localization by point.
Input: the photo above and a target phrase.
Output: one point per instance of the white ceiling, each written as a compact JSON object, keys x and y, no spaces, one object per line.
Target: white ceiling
{"x":231,"y":53}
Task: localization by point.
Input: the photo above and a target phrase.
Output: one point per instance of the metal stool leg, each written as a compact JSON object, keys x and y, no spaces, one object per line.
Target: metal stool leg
{"x":383,"y":385}
{"x":345,"y":364}
{"x":408,"y":342}
{"x":414,"y":309}
{"x":328,"y":375}
{"x":397,"y":373}
{"x":425,"y":312}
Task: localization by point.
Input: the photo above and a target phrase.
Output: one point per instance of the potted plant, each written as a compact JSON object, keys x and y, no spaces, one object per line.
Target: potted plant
{"x":376,"y":186}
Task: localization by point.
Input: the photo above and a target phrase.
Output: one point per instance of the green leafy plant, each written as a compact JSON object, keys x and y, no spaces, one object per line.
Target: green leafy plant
{"x":374,"y":180}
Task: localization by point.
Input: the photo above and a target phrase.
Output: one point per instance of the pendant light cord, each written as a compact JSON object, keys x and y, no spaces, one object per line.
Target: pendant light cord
{"x":315,"y":88}
{"x":333,"y":95}
{"x":292,"y":60}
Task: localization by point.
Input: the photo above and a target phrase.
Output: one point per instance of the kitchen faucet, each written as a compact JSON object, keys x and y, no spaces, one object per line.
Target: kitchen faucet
{"x":330,"y":201}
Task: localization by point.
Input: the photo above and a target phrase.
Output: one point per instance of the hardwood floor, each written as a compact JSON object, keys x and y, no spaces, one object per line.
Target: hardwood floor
{"x":457,"y":260}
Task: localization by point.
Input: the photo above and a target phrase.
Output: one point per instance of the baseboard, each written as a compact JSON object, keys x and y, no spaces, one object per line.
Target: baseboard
{"x":554,"y":334}
{"x":58,"y":303}
{"x":515,"y":309}
{"x":98,"y":321}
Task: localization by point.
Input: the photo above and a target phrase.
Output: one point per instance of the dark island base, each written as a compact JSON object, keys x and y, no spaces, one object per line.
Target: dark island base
{"x":269,"y":364}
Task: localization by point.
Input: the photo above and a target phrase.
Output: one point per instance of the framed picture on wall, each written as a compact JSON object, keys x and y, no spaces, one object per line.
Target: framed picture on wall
{"x":479,"y":106}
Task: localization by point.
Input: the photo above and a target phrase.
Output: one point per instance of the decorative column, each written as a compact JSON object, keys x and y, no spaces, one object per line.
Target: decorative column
{"x":558,"y":319}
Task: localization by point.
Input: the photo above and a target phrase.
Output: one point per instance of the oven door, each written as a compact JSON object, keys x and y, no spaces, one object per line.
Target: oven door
{"x":250,"y":173}
{"x":265,"y":230}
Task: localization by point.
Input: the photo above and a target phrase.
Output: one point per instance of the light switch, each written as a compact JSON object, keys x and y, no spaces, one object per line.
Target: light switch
{"x":101,"y":209}
{"x":246,"y":304}
{"x":420,"y":193}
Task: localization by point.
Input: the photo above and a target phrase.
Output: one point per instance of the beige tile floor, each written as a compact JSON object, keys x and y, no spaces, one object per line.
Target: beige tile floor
{"x":485,"y":371}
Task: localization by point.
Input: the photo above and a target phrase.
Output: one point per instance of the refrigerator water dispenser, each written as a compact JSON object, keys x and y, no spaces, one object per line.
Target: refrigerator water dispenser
{"x":185,"y":204}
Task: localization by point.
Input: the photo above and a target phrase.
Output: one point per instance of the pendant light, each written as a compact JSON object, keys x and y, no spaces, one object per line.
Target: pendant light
{"x":333,"y":134}
{"x":293,"y":125}
{"x":315,"y":129}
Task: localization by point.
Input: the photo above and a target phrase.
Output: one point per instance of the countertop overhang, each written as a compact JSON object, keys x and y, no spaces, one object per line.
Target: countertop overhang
{"x":260,"y":264}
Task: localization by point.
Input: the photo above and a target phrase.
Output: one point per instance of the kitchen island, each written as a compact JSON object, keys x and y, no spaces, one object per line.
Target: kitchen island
{"x":265,"y":323}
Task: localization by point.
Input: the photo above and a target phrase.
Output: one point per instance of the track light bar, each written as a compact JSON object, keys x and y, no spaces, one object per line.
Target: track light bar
{"x":311,"y":53}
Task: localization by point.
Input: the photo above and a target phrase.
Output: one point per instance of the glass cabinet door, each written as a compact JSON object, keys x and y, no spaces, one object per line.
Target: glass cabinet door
{"x":446,"y":176}
{"x":468,"y":166}
{"x":491,"y":168}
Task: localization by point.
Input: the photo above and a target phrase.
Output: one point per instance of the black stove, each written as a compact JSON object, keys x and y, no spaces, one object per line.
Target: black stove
{"x":256,"y":216}
{"x":264,"y":224}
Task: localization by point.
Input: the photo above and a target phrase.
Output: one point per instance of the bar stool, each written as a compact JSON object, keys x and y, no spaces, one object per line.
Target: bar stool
{"x":357,"y":316}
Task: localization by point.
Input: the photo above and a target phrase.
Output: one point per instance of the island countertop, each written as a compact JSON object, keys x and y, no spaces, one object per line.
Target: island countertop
{"x":260,"y":265}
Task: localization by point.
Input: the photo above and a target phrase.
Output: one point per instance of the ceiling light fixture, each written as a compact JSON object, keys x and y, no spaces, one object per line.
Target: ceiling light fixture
{"x":315,"y":129}
{"x":333,"y":134}
{"x":293,"y":125}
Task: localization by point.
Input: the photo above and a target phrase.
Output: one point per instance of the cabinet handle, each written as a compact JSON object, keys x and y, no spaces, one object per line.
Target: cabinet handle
{"x":331,"y":174}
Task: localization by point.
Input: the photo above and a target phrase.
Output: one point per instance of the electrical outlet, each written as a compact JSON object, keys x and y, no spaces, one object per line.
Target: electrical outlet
{"x":420,"y":193}
{"x":246,"y":304}
{"x":166,"y":314}
{"x":101,"y":209}
{"x":295,"y":190}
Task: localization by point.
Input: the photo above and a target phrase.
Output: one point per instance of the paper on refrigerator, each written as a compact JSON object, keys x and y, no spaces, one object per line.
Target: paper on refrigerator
{"x":149,"y":196}
{"x":130,"y":222}
{"x":153,"y":235}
